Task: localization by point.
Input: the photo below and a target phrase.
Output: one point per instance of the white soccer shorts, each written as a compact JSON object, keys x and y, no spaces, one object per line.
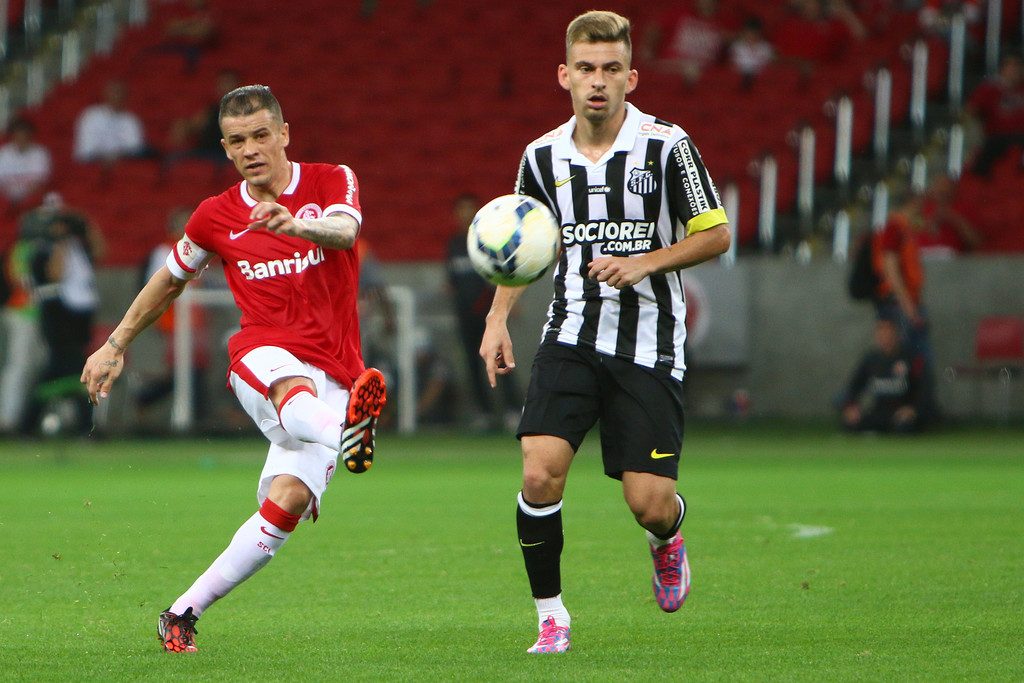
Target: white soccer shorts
{"x":312,"y":463}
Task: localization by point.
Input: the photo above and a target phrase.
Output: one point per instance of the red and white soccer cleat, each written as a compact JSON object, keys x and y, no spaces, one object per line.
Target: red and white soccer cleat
{"x":177,"y":632}
{"x":552,"y":639}
{"x":366,"y":399}
{"x":671,"y":580}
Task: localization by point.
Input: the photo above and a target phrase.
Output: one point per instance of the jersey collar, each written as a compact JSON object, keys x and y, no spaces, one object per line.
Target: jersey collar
{"x":249,"y":201}
{"x":565,"y":148}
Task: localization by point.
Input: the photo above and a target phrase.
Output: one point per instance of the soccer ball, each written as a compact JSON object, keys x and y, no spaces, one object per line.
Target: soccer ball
{"x":513,"y":240}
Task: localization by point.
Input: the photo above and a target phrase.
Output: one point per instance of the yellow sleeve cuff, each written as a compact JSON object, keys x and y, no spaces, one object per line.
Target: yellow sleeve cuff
{"x":706,"y":220}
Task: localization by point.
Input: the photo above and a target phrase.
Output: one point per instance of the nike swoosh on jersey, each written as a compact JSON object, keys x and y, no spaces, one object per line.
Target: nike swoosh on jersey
{"x":235,"y":235}
{"x":559,"y":183}
{"x":657,"y":456}
{"x":264,"y":530}
{"x":530,"y":545}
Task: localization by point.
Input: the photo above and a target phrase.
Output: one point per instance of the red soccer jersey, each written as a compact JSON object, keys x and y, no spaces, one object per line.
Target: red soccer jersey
{"x":292,"y":293}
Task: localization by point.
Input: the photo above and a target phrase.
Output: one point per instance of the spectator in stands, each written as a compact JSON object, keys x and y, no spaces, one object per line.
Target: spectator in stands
{"x":65,"y":278}
{"x":472,"y":297}
{"x":24,"y":163}
{"x":998,"y":104}
{"x":946,"y":230}
{"x":191,"y":34}
{"x":108,"y":131}
{"x":817,"y":32}
{"x":898,"y":297}
{"x":935,"y":16}
{"x":198,"y":136}
{"x":436,"y":395}
{"x":882,"y":394}
{"x":687,"y":40}
{"x":23,"y":345}
{"x":750,"y":52}
{"x":162,"y":386}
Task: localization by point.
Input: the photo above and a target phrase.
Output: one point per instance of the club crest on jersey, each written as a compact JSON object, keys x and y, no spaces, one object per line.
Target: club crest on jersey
{"x":309,"y":211}
{"x":642,"y":181}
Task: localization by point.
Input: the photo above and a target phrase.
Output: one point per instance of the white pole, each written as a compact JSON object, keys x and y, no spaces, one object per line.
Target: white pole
{"x":731,"y":203}
{"x":957,"y":41}
{"x":766,"y":207}
{"x":404,"y":301}
{"x":844,"y":139}
{"x":955,"y":164}
{"x":805,"y":181}
{"x":70,"y":56}
{"x":919,"y":173}
{"x":919,"y":85}
{"x":181,"y":408}
{"x":883,"y":111}
{"x":841,"y":237}
{"x":879,"y":206}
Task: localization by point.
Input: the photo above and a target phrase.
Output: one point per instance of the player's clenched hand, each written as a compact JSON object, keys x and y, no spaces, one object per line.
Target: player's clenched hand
{"x":496,"y":350}
{"x":101,"y":369}
{"x":273,"y":217}
{"x":618,"y":271}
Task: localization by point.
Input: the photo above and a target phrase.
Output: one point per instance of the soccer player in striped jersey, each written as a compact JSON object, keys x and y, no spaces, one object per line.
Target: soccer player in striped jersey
{"x":636,"y":205}
{"x":285,"y":236}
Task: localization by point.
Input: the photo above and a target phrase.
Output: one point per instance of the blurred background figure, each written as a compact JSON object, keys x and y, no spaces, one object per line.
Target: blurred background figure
{"x":25,"y":164}
{"x":750,"y":53}
{"x":191,"y":34}
{"x":64,"y":272}
{"x":108,"y":131}
{"x":998,"y":106}
{"x":687,"y":38}
{"x":157,"y":388}
{"x":198,"y":136}
{"x":24,"y":350}
{"x":472,"y":296}
{"x":883,"y":394}
{"x":947,"y":230}
{"x":898,"y":297}
{"x":436,"y":392}
{"x":817,"y":32}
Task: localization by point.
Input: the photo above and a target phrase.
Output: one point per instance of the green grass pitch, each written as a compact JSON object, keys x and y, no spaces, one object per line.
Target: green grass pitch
{"x":815,"y":556}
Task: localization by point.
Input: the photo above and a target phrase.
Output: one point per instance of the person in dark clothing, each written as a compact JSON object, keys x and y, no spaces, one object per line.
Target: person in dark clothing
{"x":472,"y":297}
{"x":884,"y":392}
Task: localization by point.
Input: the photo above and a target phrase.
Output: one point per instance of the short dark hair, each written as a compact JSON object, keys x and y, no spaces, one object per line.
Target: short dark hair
{"x":250,"y":99}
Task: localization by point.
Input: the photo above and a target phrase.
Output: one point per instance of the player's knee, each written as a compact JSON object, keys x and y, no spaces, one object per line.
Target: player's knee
{"x":654,"y":514}
{"x":542,"y":486}
{"x":292,"y":496}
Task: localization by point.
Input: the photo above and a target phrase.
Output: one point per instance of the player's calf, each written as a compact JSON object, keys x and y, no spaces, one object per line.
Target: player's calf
{"x":366,"y":400}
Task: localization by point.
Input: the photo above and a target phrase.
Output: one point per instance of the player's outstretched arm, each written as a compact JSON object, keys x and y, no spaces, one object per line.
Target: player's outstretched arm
{"x":622,"y":271}
{"x":105,"y":365}
{"x":337,"y":231}
{"x":496,"y":346}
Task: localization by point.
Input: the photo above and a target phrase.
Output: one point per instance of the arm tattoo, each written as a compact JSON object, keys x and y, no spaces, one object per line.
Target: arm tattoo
{"x":332,"y":238}
{"x":115,"y":344}
{"x":111,"y":363}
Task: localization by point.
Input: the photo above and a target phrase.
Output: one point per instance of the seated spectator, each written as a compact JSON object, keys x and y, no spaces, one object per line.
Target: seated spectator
{"x":107,"y":131}
{"x":687,"y":41}
{"x":998,"y":104}
{"x":191,"y":34}
{"x":199,"y":135}
{"x":882,"y":394}
{"x":817,"y":32}
{"x":24,"y":163}
{"x":750,"y":52}
{"x":935,"y":16}
{"x":946,"y":231}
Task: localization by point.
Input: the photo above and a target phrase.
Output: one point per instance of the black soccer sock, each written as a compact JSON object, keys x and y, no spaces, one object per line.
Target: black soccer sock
{"x":679,"y":520}
{"x":540,"y":539}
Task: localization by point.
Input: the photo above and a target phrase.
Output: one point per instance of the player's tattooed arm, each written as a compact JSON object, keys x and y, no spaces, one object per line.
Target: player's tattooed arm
{"x":337,"y":231}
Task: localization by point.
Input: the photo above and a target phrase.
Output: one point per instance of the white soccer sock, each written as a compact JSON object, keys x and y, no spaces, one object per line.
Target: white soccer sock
{"x":659,"y":542}
{"x":551,"y":607}
{"x":309,"y":419}
{"x":252,"y":547}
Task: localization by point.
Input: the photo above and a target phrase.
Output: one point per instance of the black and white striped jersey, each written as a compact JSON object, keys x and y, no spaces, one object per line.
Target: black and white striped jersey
{"x":648,"y":191}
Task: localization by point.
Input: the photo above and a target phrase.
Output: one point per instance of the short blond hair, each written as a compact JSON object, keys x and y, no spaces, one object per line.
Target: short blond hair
{"x":598,"y":26}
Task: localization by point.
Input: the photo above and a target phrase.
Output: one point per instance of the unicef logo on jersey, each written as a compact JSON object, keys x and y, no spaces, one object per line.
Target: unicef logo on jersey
{"x":642,"y":181}
{"x":309,"y":211}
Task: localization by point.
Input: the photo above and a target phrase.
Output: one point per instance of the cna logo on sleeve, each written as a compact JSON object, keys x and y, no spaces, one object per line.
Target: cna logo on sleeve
{"x":290,"y":266}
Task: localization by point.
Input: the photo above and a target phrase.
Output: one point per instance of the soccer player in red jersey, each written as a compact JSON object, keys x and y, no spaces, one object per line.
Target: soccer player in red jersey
{"x":285,"y":235}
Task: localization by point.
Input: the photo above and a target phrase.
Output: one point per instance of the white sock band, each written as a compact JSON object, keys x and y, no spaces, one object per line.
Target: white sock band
{"x":537,"y":512}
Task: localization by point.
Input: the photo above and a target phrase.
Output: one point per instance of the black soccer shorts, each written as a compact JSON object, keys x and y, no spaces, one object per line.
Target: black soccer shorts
{"x":640,"y":409}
